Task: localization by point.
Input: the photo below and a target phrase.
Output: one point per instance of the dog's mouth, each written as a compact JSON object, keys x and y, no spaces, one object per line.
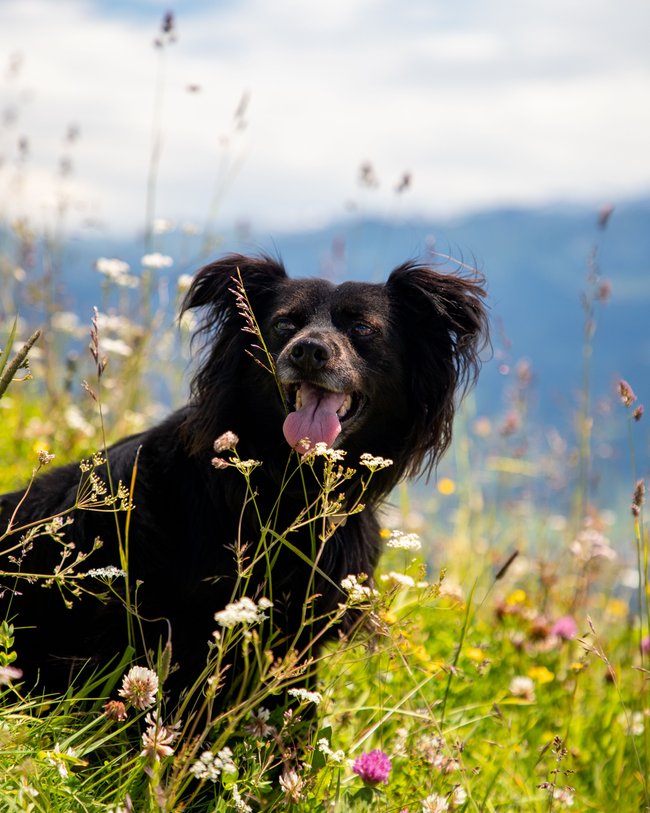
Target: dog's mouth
{"x":317,"y":415}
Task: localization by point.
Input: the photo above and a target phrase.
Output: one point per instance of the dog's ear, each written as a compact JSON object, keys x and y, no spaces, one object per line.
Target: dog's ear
{"x":444,"y":321}
{"x":215,"y":287}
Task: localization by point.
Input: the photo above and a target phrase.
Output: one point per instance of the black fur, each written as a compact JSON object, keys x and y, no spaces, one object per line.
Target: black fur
{"x":406,"y":349}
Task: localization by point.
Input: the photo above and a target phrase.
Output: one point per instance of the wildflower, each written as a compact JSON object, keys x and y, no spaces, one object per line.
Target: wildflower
{"x":258,"y":723}
{"x":115,"y":711}
{"x":158,"y":738}
{"x":306,"y":696}
{"x":626,"y":393}
{"x":246,"y":466}
{"x":9,"y":674}
{"x":220,"y":463}
{"x":140,"y":687}
{"x":523,"y":687}
{"x":645,"y":645}
{"x":591,"y":544}
{"x":108,"y":573}
{"x":565,"y":628}
{"x":226,"y":441}
{"x":435,"y":804}
{"x":373,"y":767}
{"x":117,"y":346}
{"x":211,"y":766}
{"x":324,"y":747}
{"x":244,"y":611}
{"x":321,"y":449}
{"x":564,"y":796}
{"x":374,"y":463}
{"x":458,"y":796}
{"x":240,"y":804}
{"x":446,"y":486}
{"x":162,"y":226}
{"x":358,"y":593}
{"x":112,"y":268}
{"x":638,"y":498}
{"x":541,"y":674}
{"x":60,"y":759}
{"x":398,"y":579}
{"x":44,"y":457}
{"x":292,"y":785}
{"x":402,"y":541}
{"x":184,"y":282}
{"x":156,"y":261}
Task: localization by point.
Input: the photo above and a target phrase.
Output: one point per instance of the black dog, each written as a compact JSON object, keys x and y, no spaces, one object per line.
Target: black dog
{"x":368,"y":368}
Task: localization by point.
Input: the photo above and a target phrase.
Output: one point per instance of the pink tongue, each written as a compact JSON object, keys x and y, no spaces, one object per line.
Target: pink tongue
{"x":316,"y":419}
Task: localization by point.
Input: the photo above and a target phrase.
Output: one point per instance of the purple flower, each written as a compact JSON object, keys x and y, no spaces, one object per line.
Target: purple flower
{"x":373,"y":767}
{"x":645,"y":645}
{"x":565,"y":628}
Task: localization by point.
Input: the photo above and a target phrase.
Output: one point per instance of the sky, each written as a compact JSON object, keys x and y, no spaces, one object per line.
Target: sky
{"x":264,"y":112}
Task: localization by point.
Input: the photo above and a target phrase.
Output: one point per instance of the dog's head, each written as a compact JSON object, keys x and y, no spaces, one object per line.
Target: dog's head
{"x":366,"y":367}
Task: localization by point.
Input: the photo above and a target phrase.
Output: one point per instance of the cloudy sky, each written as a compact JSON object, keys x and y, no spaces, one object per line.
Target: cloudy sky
{"x":483,"y":102}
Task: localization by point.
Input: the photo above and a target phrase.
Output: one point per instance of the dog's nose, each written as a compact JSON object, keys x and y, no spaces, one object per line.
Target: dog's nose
{"x":310,"y":354}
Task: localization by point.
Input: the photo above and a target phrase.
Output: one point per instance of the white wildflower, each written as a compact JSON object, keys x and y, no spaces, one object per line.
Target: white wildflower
{"x":358,"y":593}
{"x":292,"y":785}
{"x":591,"y":544}
{"x":107,"y":573}
{"x":184,"y":282}
{"x":112,"y":268}
{"x":565,"y":796}
{"x":117,"y":346}
{"x":156,"y":261}
{"x":522,"y":686}
{"x":240,"y":804}
{"x":374,"y":463}
{"x":158,"y":738}
{"x":244,"y":611}
{"x":305,"y":696}
{"x":140,"y":687}
{"x":398,"y":579}
{"x":8,"y":674}
{"x":435,"y":804}
{"x":402,"y":541}
{"x":211,"y":766}
{"x":228,"y":440}
{"x":334,"y":756}
{"x":323,"y":450}
{"x":162,"y":226}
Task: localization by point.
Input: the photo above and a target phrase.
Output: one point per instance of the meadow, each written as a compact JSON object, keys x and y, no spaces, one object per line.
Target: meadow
{"x":503,"y":663}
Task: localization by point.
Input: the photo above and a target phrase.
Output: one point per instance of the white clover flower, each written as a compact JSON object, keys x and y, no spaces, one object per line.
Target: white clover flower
{"x":435,"y":804}
{"x":305,"y":696}
{"x":140,"y":687}
{"x":292,"y":785}
{"x":156,"y":261}
{"x":400,"y":579}
{"x":244,"y":611}
{"x":158,"y":738}
{"x":374,"y":463}
{"x":522,"y":686}
{"x":402,"y":541}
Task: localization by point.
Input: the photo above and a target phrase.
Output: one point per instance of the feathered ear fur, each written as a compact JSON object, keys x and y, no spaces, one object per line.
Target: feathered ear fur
{"x":224,"y":322}
{"x":444,"y":322}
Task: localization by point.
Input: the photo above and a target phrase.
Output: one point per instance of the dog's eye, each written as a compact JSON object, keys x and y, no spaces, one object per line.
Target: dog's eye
{"x":362,"y":330}
{"x":284,"y":325}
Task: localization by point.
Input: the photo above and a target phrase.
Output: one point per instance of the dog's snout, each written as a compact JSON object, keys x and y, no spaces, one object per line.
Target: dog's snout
{"x":310,"y":354}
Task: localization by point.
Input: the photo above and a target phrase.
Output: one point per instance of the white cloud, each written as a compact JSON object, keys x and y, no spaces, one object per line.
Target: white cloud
{"x":483,"y":102}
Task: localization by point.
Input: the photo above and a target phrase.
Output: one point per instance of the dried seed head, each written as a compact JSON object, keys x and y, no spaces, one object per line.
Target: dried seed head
{"x":626,"y":393}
